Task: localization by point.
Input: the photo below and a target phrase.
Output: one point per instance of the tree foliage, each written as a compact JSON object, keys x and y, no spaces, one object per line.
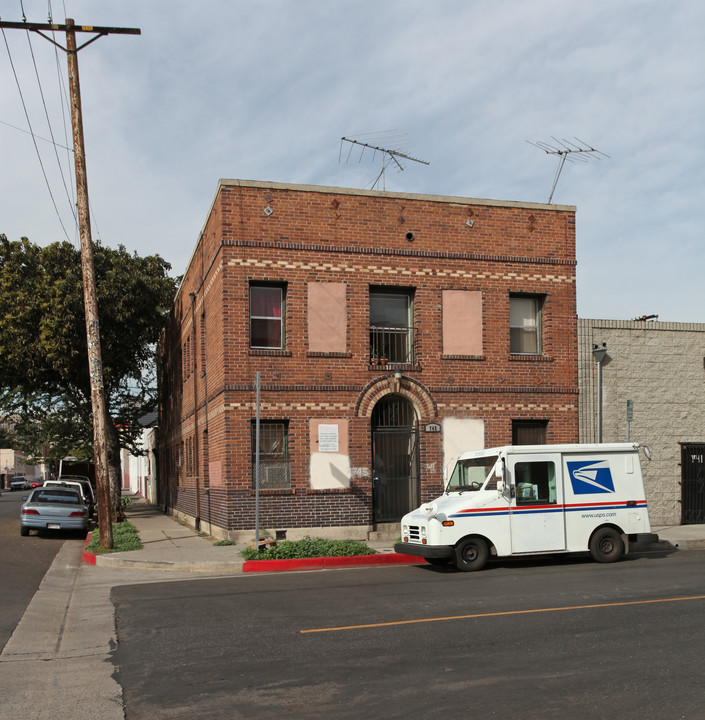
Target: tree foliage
{"x":44,"y":378}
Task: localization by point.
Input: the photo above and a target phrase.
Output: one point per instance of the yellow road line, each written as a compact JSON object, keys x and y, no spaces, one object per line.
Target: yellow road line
{"x":499,"y":614}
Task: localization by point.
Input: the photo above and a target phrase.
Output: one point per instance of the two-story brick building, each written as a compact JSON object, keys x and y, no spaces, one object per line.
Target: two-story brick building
{"x":390,"y":332}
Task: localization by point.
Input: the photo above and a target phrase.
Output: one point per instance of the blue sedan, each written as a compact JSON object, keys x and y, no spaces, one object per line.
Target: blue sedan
{"x":53,"y":508}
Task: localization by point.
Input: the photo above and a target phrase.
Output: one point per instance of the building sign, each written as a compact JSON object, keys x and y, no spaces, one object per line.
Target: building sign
{"x":432,"y":428}
{"x":328,"y":440}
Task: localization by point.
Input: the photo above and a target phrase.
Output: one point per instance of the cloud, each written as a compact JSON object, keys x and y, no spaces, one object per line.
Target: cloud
{"x":265,"y":91}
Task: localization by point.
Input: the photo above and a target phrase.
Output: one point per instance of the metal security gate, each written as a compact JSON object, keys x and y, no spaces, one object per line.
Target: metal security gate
{"x":692,"y":483}
{"x":395,"y":441}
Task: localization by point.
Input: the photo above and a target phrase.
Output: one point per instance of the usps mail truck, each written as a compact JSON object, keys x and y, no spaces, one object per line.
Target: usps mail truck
{"x":530,"y":499}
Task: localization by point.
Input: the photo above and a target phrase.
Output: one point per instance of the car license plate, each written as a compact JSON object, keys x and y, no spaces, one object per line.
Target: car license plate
{"x":53,"y":526}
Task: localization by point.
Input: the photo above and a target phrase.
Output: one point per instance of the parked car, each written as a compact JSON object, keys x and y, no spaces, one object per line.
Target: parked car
{"x":53,"y":508}
{"x":82,"y":485}
{"x":35,"y":483}
{"x":18,"y":482}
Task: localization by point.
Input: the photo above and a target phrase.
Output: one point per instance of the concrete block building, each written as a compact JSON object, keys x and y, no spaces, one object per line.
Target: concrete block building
{"x":659,"y":369}
{"x":390,"y":332}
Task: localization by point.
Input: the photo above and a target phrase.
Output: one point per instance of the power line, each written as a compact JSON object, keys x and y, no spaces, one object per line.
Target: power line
{"x":36,"y":148}
{"x":51,"y":132}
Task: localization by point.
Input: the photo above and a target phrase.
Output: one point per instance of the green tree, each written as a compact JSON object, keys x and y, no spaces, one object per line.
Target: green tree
{"x":44,"y":378}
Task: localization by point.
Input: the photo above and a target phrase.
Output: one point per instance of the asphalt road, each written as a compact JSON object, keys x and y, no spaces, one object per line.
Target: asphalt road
{"x":24,"y":563}
{"x":563,"y":638}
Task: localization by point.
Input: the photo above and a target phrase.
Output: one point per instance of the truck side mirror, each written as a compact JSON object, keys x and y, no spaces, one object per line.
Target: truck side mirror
{"x":500,"y":487}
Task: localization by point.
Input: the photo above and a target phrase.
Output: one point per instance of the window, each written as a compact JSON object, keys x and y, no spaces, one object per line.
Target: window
{"x":266,"y":316}
{"x":391,"y":329}
{"x":525,"y":324}
{"x":535,"y":483}
{"x":471,"y":474}
{"x":529,"y":432}
{"x":186,"y":355}
{"x":274,"y":468}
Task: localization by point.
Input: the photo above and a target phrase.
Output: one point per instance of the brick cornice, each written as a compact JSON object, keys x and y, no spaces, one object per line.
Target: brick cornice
{"x":399,"y":252}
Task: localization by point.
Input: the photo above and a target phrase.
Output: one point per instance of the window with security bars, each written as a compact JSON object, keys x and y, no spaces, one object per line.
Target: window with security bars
{"x":274,"y":466}
{"x":391,"y":326}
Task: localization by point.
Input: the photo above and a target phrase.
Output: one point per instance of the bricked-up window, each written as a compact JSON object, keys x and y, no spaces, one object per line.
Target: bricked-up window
{"x":267,"y":316}
{"x":391,"y":326}
{"x":525,"y":324}
{"x":274,"y":466}
{"x":462,"y":322}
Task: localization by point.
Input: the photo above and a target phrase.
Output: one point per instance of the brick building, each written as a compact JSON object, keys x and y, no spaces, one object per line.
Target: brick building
{"x":390,"y":332}
{"x":659,"y":367}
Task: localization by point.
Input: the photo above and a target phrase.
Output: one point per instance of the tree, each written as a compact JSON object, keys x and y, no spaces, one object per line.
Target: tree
{"x":44,"y":378}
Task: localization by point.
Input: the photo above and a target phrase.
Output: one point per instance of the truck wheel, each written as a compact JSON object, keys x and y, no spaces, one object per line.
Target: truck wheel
{"x":471,"y":554}
{"x":606,"y":545}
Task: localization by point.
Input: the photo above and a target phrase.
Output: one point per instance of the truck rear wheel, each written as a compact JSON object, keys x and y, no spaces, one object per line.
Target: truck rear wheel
{"x":606,"y":545}
{"x":471,"y":554}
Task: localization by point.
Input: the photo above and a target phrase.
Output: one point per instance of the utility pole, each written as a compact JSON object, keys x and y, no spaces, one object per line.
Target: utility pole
{"x":95,"y":363}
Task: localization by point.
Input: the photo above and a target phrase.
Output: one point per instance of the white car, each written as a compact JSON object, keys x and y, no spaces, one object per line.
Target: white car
{"x":19,"y":482}
{"x":53,"y":508}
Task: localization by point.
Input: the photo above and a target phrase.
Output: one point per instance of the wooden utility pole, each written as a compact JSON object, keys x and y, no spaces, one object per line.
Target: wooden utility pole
{"x":95,"y":363}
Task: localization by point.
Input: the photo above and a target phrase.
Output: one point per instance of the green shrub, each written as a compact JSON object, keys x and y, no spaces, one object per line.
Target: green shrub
{"x":309,"y":548}
{"x":125,"y":538}
{"x":226,"y":541}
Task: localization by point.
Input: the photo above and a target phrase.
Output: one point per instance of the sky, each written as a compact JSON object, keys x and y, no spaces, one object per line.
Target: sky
{"x":265,"y":91}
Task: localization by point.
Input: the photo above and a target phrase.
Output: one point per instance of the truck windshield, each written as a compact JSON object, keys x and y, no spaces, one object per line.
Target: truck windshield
{"x":471,"y":474}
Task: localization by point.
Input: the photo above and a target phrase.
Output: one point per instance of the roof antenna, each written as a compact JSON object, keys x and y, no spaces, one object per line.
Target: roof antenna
{"x":566,"y":150}
{"x":391,"y":155}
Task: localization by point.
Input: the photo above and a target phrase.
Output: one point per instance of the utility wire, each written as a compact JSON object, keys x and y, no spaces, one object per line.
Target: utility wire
{"x":39,"y":137}
{"x":51,"y":132}
{"x":29,"y":124}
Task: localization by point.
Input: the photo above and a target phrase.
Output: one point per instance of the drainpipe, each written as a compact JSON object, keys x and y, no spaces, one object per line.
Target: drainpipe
{"x":195,"y":412}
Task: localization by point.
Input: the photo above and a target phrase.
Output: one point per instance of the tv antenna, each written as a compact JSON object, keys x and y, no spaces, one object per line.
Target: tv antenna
{"x":567,"y":150}
{"x":391,"y":156}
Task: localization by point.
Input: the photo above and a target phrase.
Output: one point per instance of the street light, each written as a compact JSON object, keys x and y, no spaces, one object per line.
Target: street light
{"x":599,"y":352}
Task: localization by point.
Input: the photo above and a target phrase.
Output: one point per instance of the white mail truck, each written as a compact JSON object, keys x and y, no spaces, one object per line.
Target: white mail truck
{"x":531,"y":499}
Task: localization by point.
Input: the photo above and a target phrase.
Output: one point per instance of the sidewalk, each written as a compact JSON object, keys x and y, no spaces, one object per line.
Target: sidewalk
{"x":169,"y":545}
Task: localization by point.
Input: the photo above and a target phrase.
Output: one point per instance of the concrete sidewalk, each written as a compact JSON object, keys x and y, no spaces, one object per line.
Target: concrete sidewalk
{"x":170,"y":545}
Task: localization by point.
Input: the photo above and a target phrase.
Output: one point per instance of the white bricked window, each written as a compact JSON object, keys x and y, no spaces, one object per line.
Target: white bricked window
{"x":267,"y":317}
{"x":525,"y":324}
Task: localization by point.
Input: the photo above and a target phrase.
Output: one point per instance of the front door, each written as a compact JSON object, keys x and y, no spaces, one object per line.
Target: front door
{"x":395,"y":478}
{"x":537,"y":516}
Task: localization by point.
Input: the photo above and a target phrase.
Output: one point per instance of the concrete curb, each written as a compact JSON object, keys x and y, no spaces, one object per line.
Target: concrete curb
{"x":88,"y":557}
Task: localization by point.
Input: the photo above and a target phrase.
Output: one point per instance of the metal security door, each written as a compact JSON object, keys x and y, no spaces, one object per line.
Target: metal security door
{"x":693,"y":483}
{"x":395,"y":440}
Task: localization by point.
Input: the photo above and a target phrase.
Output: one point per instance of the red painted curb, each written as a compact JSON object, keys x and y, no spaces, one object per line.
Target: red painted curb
{"x":273,"y":565}
{"x":88,"y":557}
{"x":330,"y":562}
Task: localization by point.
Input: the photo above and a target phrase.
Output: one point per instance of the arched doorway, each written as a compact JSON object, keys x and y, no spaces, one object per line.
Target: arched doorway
{"x":395,"y":458}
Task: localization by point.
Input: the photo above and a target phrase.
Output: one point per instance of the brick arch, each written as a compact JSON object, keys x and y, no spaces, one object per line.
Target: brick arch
{"x":406,"y":386}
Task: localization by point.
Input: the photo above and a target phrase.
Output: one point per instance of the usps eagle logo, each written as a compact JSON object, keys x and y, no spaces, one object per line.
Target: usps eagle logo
{"x":591,"y":477}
